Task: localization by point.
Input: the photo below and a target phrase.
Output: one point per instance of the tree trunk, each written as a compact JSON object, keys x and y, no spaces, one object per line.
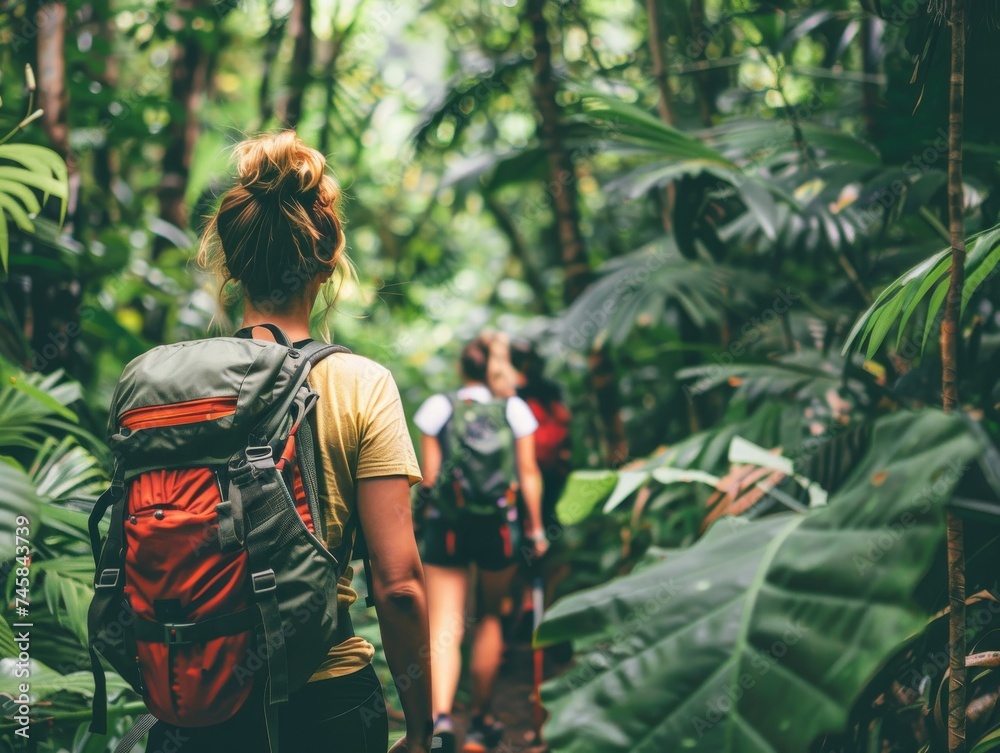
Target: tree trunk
{"x":573,"y":253}
{"x":659,"y":66}
{"x":871,"y":34}
{"x":300,"y":29}
{"x":337,"y":43}
{"x":51,"y":74}
{"x":950,"y":332}
{"x":704,"y":79}
{"x":189,"y":77}
{"x":102,"y":206}
{"x":54,"y":298}
{"x":522,"y":253}
{"x":667,"y":192}
{"x":272,"y":45}
{"x":562,"y":174}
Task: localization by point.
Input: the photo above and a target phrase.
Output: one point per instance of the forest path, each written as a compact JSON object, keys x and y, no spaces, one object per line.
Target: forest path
{"x":513,"y":701}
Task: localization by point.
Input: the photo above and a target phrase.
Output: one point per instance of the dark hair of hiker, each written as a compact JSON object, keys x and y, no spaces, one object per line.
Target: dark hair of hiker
{"x":474,"y":360}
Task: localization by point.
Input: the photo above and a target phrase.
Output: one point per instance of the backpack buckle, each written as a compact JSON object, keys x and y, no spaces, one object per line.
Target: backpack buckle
{"x":263,"y":581}
{"x":108,"y":579}
{"x":174,"y":633}
{"x":259,"y":458}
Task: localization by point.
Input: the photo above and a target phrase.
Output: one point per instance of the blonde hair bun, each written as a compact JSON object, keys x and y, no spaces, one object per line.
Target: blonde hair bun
{"x":280,"y":225}
{"x":280,"y":164}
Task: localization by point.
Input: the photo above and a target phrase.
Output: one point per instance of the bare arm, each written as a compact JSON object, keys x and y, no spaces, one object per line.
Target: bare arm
{"x":400,"y":599}
{"x":531,"y":482}
{"x":430,"y":459}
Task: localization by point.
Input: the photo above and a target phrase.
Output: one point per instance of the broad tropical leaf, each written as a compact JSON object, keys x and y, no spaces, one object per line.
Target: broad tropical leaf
{"x":584,"y":491}
{"x":64,"y":471}
{"x":68,"y":591}
{"x":762,"y":635}
{"x":7,"y":646}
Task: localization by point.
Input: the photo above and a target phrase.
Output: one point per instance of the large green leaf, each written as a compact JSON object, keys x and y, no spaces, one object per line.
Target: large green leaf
{"x":584,"y":491}
{"x":7,"y":646}
{"x":762,"y":635}
{"x":68,"y":592}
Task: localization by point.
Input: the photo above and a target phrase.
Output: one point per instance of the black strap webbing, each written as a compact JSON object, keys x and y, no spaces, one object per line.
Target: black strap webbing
{"x":110,"y":496}
{"x":314,"y":352}
{"x":194,"y":632}
{"x":108,"y":586}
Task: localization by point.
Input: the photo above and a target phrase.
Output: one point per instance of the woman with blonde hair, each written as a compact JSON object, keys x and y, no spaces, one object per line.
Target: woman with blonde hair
{"x":276,"y":239}
{"x":477,"y":451}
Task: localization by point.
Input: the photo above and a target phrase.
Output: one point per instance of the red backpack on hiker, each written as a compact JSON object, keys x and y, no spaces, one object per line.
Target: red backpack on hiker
{"x":552,"y":435}
{"x":214,"y":564}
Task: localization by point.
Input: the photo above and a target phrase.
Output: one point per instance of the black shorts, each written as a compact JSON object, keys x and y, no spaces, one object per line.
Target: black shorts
{"x":491,"y":542}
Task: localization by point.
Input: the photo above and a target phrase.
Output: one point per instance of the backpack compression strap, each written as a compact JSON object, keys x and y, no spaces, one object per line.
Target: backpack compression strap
{"x":107,"y":586}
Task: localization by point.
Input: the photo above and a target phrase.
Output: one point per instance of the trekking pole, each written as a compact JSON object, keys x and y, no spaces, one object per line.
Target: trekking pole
{"x":538,"y":608}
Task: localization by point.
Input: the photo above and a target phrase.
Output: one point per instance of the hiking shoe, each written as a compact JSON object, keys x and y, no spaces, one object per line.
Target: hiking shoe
{"x":443,"y":740}
{"x":482,"y":737}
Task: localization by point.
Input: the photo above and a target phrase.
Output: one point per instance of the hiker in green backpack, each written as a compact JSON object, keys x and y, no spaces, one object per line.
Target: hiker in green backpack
{"x":476,"y":453}
{"x":276,"y":240}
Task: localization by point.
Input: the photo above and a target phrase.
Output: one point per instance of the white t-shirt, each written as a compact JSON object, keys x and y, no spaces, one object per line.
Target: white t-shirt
{"x":431,"y":417}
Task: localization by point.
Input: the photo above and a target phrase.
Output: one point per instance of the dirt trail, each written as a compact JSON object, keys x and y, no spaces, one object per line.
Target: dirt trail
{"x":512,"y":702}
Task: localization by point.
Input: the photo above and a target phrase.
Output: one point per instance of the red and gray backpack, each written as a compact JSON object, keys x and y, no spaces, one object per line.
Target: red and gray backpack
{"x":214,"y":565}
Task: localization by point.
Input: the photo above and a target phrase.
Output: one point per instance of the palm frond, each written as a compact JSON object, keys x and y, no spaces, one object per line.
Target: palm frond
{"x":639,"y":289}
{"x":24,"y":170}
{"x":34,"y":406}
{"x":18,"y":500}
{"x":64,"y":471}
{"x":926,"y":282}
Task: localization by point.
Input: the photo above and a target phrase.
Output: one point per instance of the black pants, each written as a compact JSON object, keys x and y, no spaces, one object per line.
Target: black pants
{"x":343,"y":714}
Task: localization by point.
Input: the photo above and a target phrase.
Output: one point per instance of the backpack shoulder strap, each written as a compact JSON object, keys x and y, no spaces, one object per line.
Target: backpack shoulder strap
{"x":314,"y":352}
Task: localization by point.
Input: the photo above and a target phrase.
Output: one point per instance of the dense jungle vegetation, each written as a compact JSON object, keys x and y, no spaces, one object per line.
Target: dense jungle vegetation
{"x":728,"y":225}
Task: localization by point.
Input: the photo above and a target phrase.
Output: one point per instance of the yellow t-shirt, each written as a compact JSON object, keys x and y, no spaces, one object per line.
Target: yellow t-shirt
{"x":362,"y":433}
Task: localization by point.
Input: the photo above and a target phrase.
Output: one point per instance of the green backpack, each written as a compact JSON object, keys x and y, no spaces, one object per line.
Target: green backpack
{"x":213,"y":575}
{"x":477,"y":466}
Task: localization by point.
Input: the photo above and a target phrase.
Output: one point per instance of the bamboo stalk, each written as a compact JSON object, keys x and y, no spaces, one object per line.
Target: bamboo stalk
{"x":949,"y":381}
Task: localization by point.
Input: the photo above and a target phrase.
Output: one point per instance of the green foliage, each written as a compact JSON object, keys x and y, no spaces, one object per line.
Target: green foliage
{"x":18,"y":500}
{"x":693,"y":652}
{"x":926,"y":283}
{"x":25,"y":169}
{"x":729,"y":250}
